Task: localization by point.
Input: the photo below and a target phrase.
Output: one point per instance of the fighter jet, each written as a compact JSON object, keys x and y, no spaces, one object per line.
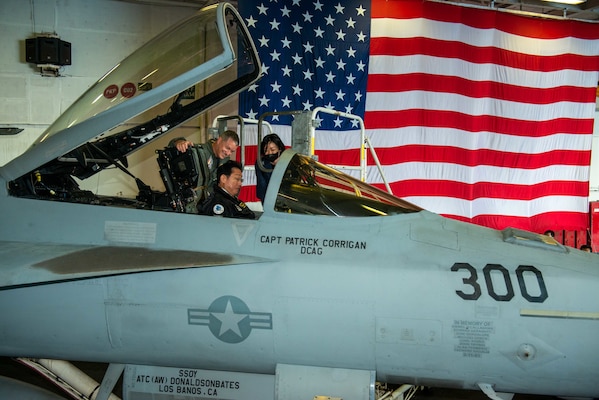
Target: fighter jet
{"x":336,"y":288}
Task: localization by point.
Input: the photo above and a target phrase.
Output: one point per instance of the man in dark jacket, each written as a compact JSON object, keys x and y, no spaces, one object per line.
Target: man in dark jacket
{"x":223,"y":201}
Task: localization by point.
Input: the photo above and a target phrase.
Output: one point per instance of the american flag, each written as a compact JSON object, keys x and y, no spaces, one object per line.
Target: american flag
{"x":475,"y":114}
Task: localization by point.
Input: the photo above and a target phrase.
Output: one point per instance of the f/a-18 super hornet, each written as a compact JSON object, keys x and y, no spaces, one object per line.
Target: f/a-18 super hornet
{"x":336,"y":287}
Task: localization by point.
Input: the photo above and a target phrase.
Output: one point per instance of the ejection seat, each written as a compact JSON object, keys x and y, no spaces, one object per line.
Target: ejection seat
{"x":182,"y":175}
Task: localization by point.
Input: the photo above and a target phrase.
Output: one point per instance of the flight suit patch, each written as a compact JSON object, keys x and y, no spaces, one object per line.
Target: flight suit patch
{"x":218,"y":209}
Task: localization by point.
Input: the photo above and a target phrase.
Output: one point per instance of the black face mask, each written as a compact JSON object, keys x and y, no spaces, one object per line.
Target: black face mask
{"x":270,"y":157}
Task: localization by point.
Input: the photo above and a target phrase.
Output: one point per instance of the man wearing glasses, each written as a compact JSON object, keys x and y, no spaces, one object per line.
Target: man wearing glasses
{"x":223,"y":201}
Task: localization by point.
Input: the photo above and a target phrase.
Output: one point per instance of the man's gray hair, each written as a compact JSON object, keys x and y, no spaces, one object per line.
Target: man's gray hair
{"x":229,"y":134}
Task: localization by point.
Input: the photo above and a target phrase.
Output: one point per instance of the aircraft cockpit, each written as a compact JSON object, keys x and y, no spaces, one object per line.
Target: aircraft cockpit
{"x":305,"y":187}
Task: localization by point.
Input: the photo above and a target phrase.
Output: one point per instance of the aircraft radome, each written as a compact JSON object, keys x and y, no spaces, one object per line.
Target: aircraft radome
{"x":335,"y":286}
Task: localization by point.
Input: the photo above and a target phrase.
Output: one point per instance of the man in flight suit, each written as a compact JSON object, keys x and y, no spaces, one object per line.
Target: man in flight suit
{"x":223,"y":201}
{"x":208,"y":157}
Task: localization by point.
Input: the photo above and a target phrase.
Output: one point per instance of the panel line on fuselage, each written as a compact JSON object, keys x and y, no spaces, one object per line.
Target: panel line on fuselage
{"x":559,"y":314}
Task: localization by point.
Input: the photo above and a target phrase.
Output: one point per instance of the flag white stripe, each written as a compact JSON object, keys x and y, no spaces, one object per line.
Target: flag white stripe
{"x":500,"y":207}
{"x":385,"y":138}
{"x":424,"y":64}
{"x":450,"y":31}
{"x":470,"y":175}
{"x":478,"y":174}
{"x":476,"y":140}
{"x":396,"y":101}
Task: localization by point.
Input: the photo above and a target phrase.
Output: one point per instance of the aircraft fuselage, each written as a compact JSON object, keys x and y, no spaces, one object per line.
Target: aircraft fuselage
{"x":415,"y":297}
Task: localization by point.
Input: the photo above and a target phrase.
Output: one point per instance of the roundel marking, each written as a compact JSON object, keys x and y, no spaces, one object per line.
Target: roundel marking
{"x":229,"y":319}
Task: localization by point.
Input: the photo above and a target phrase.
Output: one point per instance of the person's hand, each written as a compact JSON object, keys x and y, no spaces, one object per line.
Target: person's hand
{"x":183,"y":145}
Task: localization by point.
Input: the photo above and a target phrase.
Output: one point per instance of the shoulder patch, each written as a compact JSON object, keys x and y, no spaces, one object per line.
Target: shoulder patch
{"x":218,"y":209}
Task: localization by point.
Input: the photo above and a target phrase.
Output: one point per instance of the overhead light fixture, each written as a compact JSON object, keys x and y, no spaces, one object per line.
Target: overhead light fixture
{"x":571,"y":2}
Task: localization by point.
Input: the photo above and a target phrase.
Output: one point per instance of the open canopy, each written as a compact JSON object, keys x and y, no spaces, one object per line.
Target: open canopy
{"x":212,"y":47}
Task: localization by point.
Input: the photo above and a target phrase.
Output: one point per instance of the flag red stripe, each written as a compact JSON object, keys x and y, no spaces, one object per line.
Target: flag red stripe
{"x":478,"y":18}
{"x":541,"y":222}
{"x":477,"y":89}
{"x":480,"y":55}
{"x":248,"y":193}
{"x":479,"y":190}
{"x":456,"y":155}
{"x":465,"y":191}
{"x":474,"y":123}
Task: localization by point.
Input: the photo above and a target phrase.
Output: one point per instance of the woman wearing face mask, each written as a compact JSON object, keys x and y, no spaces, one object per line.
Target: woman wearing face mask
{"x":271,"y":149}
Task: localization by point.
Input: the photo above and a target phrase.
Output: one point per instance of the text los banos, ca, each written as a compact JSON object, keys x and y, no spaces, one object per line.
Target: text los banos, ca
{"x":188,"y":384}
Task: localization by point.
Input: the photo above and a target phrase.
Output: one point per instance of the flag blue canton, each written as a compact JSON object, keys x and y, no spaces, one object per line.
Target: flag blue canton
{"x":313,"y":54}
